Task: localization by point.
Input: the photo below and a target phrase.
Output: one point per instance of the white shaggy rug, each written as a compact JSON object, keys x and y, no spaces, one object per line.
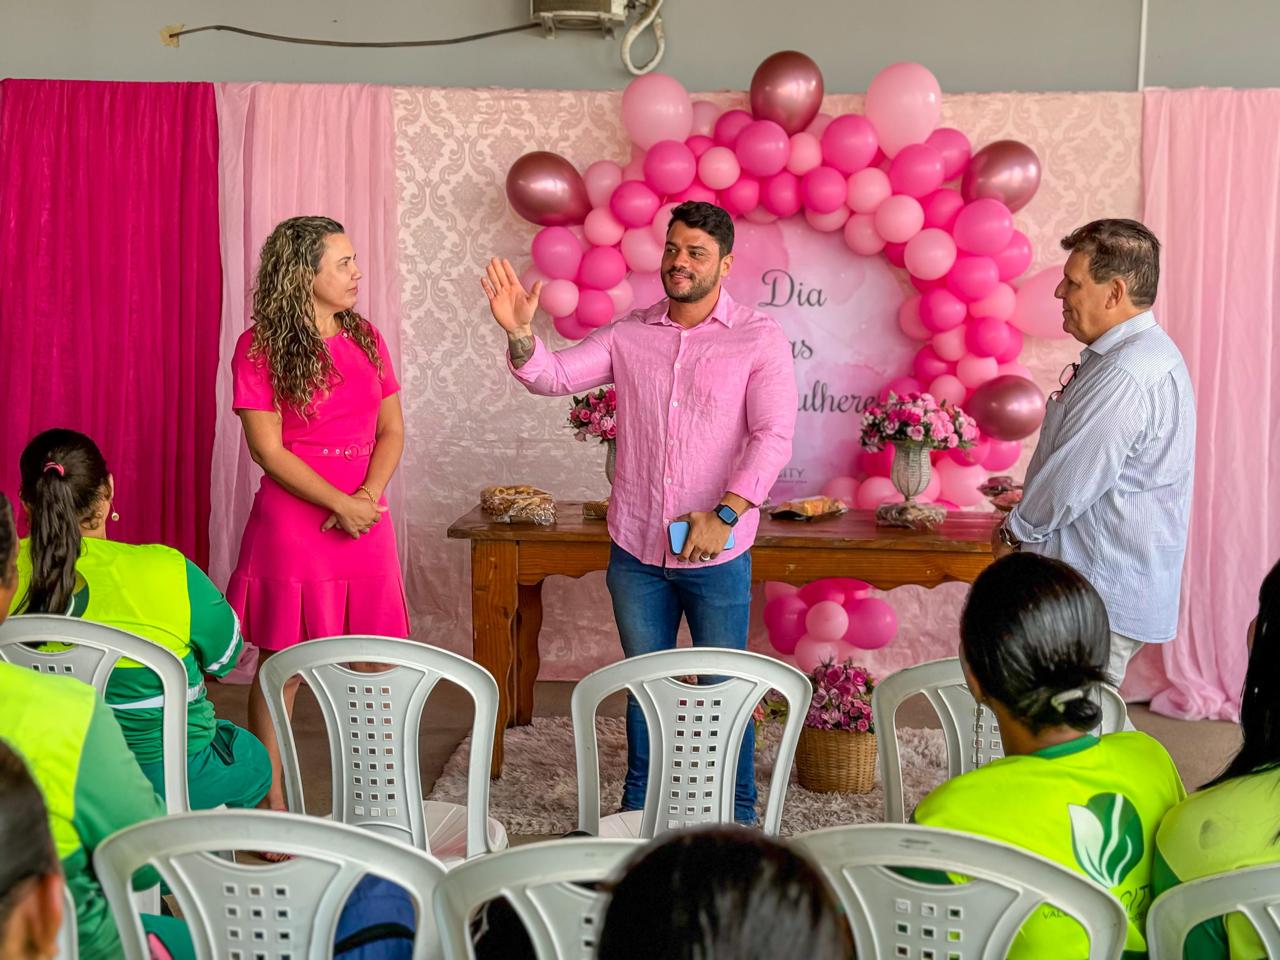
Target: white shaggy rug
{"x":537,"y":793}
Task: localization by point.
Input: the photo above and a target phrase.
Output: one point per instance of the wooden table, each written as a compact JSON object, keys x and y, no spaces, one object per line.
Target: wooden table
{"x":510,"y":561}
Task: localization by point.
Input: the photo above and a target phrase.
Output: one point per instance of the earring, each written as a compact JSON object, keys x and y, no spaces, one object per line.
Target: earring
{"x":115,"y":517}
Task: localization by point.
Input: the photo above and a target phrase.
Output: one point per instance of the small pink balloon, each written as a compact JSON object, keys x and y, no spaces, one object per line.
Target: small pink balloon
{"x":1014,"y":259}
{"x":570,"y":327}
{"x":698,"y":145}
{"x":622,"y":296}
{"x":704,"y":117}
{"x":601,"y":268}
{"x":699,"y":193}
{"x":1002,"y":454}
{"x":916,"y":170}
{"x":784,"y":619}
{"x":1013,"y":346}
{"x":787,"y":89}
{"x":557,"y":253}
{"x":1007,"y":408}
{"x":762,"y":148}
{"x":826,"y":590}
{"x":924,"y":286}
{"x":899,"y":219}
{"x":669,"y":167}
{"x":656,"y":107}
{"x":823,"y":190}
{"x":602,"y":228}
{"x":973,"y":371}
{"x":930,"y":253}
{"x":968,"y":456}
{"x":972,"y":278}
{"x":899,"y":387}
{"x":805,"y":153}
{"x":955,"y":149}
{"x":780,"y":194}
{"x":634,"y":204}
{"x":941,"y":310}
{"x":872,"y":623}
{"x":948,"y":388}
{"x":849,"y":143}
{"x":812,"y":653}
{"x":634,"y":171}
{"x":641,"y":250}
{"x":828,"y":222}
{"x":909,"y":318}
{"x":983,"y":227}
{"x":987,"y":337}
{"x":867,"y":189}
{"x":941,"y":208}
{"x":662,"y":221}
{"x":826,"y":621}
{"x":877,"y":490}
{"x":718,"y":168}
{"x":1015,"y":369}
{"x":742,"y":196}
{"x":776,"y":588}
{"x":547,"y":189}
{"x":559,"y":297}
{"x":950,"y":345}
{"x":844,"y":489}
{"x":878,"y":464}
{"x":602,"y":178}
{"x":595,"y":307}
{"x":896,"y":253}
{"x":861,"y":236}
{"x":999,"y":303}
{"x":729,"y":125}
{"x":928,"y":366}
{"x":1037,"y":312}
{"x":818,"y":125}
{"x":1007,"y":170}
{"x":960,"y":484}
{"x":903,"y":103}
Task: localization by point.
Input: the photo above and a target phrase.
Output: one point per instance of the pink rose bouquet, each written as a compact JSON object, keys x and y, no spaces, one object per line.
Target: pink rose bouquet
{"x":841,"y":698}
{"x":917,"y":418}
{"x":595,"y":415}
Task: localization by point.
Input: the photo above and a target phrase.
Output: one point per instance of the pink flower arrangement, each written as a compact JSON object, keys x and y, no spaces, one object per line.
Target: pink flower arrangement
{"x":841,"y":698}
{"x":595,"y":415}
{"x":917,"y":418}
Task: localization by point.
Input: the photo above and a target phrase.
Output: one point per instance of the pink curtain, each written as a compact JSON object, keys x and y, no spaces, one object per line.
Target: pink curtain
{"x":110,"y":294}
{"x":1212,"y":195}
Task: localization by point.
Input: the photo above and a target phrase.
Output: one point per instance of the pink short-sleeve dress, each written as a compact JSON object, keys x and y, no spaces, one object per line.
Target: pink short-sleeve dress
{"x":292,"y":581}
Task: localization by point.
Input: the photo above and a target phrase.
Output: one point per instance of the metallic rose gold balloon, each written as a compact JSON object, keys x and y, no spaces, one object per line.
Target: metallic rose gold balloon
{"x":1007,"y":408}
{"x":1007,"y":170}
{"x":545,"y":189}
{"x":787,"y":89}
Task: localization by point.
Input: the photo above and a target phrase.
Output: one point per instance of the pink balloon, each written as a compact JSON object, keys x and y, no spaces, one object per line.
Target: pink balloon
{"x":763,"y":148}
{"x":805,"y":153}
{"x":877,"y":490}
{"x":784,"y":619}
{"x":812,"y":653}
{"x":698,"y":192}
{"x":867,"y":189}
{"x":950,"y":345}
{"x":899,"y":387}
{"x":776,"y":588}
{"x":1014,"y":259}
{"x":973,"y":371}
{"x":932,"y":489}
{"x":872,"y":623}
{"x":718,"y":168}
{"x":662,"y":221}
{"x":941,"y":208}
{"x":1013,"y":346}
{"x":928,"y":366}
{"x":828,"y":222}
{"x":879,"y":464}
{"x":559,"y":297}
{"x":780,"y":194}
{"x":849,"y":143}
{"x":601,"y":179}
{"x":968,"y":456}
{"x":844,"y":489}
{"x":787,"y":89}
{"x":1037,"y":312}
{"x":984,"y":227}
{"x":899,"y":219}
{"x":924,"y":286}
{"x":903,"y":103}
{"x":896,"y":253}
{"x":987,"y":337}
{"x":622,"y":296}
{"x":760,"y":215}
{"x":570,"y":327}
{"x":972,"y":278}
{"x":909,"y":318}
{"x":642,"y":250}
{"x":1007,"y":408}
{"x":955,"y":149}
{"x":742,"y":196}
{"x":634,"y":204}
{"x":930,"y":253}
{"x":1015,"y":369}
{"x":669,"y":167}
{"x":595,"y":307}
{"x":729,"y":125}
{"x":826,"y":621}
{"x":1007,"y":170}
{"x":948,"y":388}
{"x":546,"y":189}
{"x":823,"y":190}
{"x":999,"y":303}
{"x":1002,"y":454}
{"x":634,"y":171}
{"x":861,"y":236}
{"x":818,"y":125}
{"x":704,"y":117}
{"x":601,"y":268}
{"x":656,"y":107}
{"x":826,"y":590}
{"x":941,"y":310}
{"x":960,"y":484}
{"x":698,"y":145}
{"x":916,"y":170}
{"x":602,"y":228}
{"x":557,"y":253}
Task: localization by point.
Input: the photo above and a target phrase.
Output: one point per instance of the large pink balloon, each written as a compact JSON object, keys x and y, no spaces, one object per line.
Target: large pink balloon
{"x":698,"y":145}
{"x":559,"y":297}
{"x":1007,"y":170}
{"x":903,"y":103}
{"x":570,"y":327}
{"x":927,"y":365}
{"x":999,"y":303}
{"x":973,"y":371}
{"x":844,"y":489}
{"x":826,"y":620}
{"x":622,"y":296}
{"x":1013,"y":346}
{"x":601,"y":269}
{"x":546,"y":189}
{"x":704,"y":117}
{"x":872,"y":623}
{"x":718,"y":168}
{"x":812,"y":653}
{"x":960,"y":484}
{"x":776,"y":588}
{"x":669,"y":167}
{"x":984,"y":226}
{"x":948,"y":388}
{"x":656,"y":107}
{"x":987,"y":336}
{"x":557,"y":253}
{"x":972,"y":278}
{"x":968,"y":456}
{"x":602,"y":228}
{"x":941,"y":208}
{"x":741,"y":196}
{"x":1007,"y":408}
{"x":950,"y":346}
{"x":955,"y":149}
{"x":899,"y":387}
{"x":861,"y":236}
{"x":784,"y":619}
{"x":868,"y":189}
{"x":787,"y":89}
{"x":941,"y":310}
{"x":730,"y":125}
{"x":823,"y":189}
{"x":930,"y":253}
{"x":1037,"y":312}
{"x":899,"y":219}
{"x":1002,"y":454}
{"x":634,"y":204}
{"x":1014,"y":259}
{"x":662,"y":221}
{"x":806,"y":153}
{"x":763,"y":148}
{"x":780,"y":194}
{"x":595,"y":308}
{"x":849,"y":143}
{"x":642,"y":250}
{"x":828,"y":222}
{"x":875,"y":491}
{"x":602,"y":178}
{"x":917,"y":171}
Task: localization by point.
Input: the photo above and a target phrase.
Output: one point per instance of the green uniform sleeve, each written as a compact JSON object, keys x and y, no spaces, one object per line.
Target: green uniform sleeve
{"x":215,"y":630}
{"x":111,"y":791}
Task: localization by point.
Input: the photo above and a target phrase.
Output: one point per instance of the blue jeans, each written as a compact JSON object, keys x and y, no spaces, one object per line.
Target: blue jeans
{"x":647,"y":604}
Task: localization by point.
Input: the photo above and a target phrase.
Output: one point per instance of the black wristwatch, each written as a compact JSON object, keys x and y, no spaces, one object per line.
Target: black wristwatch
{"x":1007,"y":537}
{"x":727,"y":514}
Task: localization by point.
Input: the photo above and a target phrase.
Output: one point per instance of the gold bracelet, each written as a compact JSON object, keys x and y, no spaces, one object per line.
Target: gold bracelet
{"x":368,"y":493}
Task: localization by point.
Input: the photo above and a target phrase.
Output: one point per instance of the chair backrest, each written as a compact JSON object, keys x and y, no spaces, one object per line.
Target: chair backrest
{"x":68,"y":939}
{"x":695,"y":732}
{"x":970,"y":730}
{"x":373,"y":720}
{"x":93,"y":651}
{"x":543,"y":882}
{"x":1254,"y":892}
{"x":281,"y":911}
{"x":895,"y":916}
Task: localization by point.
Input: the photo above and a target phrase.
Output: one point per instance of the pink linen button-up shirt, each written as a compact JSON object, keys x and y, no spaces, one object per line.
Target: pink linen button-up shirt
{"x":700,"y":412}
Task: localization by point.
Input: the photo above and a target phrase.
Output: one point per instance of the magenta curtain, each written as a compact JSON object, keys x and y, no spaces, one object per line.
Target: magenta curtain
{"x":1211,"y":182}
{"x":110,"y":296}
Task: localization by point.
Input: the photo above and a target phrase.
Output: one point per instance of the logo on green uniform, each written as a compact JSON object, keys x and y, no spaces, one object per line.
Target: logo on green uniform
{"x":1106,"y":837}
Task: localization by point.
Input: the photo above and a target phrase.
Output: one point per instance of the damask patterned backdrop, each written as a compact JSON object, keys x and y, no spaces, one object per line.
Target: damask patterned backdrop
{"x":469,"y":424}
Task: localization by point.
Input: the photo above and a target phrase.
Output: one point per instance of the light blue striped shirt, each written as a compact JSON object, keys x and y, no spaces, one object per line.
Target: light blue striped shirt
{"x":1109,"y":487}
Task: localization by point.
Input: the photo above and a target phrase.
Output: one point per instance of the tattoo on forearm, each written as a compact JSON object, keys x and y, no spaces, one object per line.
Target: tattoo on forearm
{"x":520,"y":349}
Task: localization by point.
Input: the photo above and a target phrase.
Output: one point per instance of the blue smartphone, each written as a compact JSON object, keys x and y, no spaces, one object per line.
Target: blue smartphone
{"x":678,"y":532}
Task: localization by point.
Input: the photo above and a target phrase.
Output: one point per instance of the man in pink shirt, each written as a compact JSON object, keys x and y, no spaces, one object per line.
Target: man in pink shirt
{"x":706,"y":409}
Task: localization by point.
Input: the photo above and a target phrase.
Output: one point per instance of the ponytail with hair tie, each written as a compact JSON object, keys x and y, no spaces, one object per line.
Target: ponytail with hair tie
{"x":56,"y":467}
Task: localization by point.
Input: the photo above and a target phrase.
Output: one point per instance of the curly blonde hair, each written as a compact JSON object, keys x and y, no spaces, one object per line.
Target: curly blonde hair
{"x":285,"y":337}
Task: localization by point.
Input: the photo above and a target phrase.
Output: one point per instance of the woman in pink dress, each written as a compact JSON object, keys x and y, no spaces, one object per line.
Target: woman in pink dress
{"x":319,"y":402}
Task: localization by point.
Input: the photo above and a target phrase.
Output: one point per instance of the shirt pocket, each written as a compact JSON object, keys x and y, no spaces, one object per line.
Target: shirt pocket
{"x":719,"y":385}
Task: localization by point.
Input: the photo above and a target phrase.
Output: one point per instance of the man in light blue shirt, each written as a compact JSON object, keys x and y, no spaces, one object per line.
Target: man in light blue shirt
{"x":1109,"y":487}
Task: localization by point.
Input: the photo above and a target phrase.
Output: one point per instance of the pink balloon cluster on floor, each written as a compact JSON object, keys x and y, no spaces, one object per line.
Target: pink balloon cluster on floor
{"x":826,"y":620}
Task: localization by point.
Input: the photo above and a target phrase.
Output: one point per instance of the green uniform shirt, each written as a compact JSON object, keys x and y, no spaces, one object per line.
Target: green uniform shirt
{"x":91,"y":783}
{"x":1227,"y":827}
{"x":155,"y":592}
{"x":1092,"y":805}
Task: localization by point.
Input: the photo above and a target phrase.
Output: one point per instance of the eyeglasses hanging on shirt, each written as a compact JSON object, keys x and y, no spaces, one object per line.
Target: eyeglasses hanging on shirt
{"x":1064,"y":379}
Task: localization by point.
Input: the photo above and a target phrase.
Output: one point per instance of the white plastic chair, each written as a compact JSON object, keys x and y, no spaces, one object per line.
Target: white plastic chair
{"x":1254,"y":892}
{"x":894,"y":916}
{"x":373,"y":721}
{"x":68,"y":943}
{"x":971,"y":732}
{"x":236,"y":911}
{"x":95,"y":649}
{"x":695,"y":736}
{"x":543,"y":884}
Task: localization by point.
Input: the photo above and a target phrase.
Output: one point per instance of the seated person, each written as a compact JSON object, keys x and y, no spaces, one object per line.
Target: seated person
{"x":1034,"y":640}
{"x":30,"y":877}
{"x":68,"y":566}
{"x":89,"y":779}
{"x":1234,"y":821}
{"x":722,"y":892}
